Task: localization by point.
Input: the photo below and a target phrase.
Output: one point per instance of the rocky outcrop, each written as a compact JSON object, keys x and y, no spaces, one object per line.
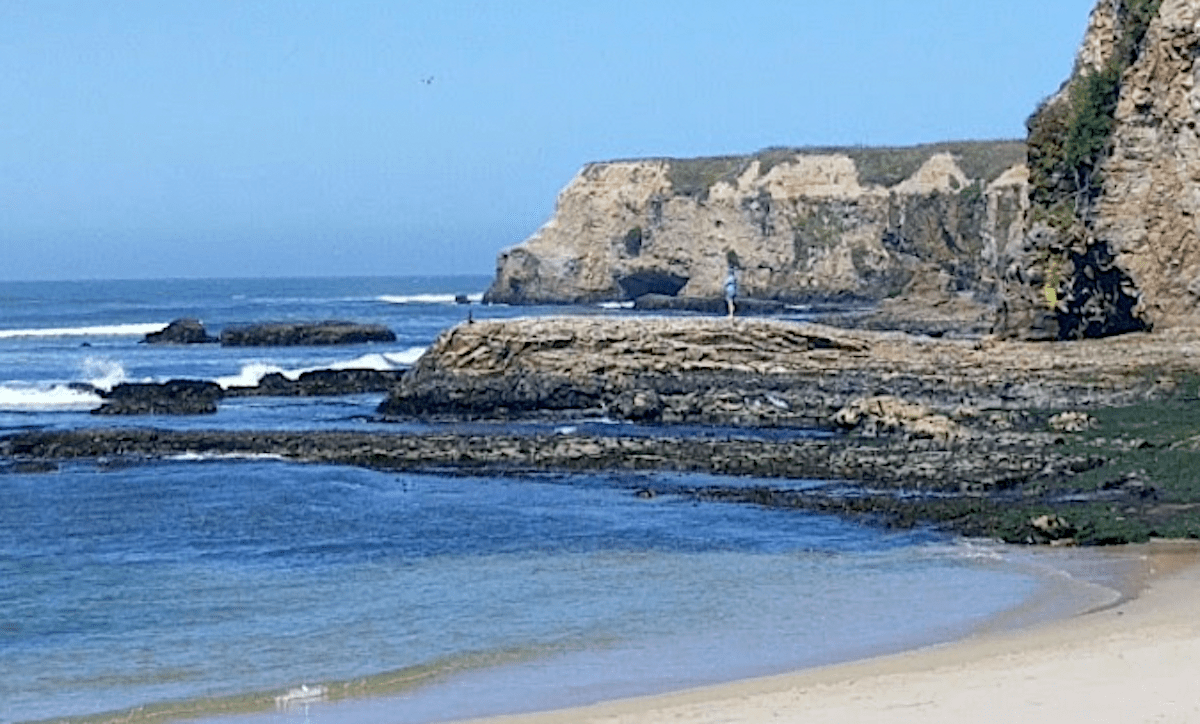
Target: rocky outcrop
{"x":291,"y":334}
{"x":887,"y":415}
{"x":177,"y":397}
{"x":762,"y":372}
{"x":801,"y":225}
{"x":1114,"y":243}
{"x":316,"y":383}
{"x":181,"y":331}
{"x":200,"y":397}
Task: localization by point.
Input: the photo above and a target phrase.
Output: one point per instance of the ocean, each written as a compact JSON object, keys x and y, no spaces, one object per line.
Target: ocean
{"x":260,"y":590}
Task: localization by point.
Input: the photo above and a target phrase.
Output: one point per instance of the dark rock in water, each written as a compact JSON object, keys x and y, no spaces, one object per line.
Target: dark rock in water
{"x":461,"y":299}
{"x":181,"y":331}
{"x":321,"y":382}
{"x":177,"y":397}
{"x":291,"y":334}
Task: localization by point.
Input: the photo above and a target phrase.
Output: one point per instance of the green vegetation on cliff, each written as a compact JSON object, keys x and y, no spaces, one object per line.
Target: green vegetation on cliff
{"x":1070,"y":134}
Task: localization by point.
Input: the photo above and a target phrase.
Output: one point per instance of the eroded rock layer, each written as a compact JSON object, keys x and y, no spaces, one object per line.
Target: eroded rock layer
{"x":770,"y":373}
{"x":799,"y":224}
{"x":1113,"y":244}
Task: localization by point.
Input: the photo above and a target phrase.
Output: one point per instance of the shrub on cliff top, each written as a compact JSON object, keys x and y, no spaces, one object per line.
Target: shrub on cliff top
{"x":877,"y":165}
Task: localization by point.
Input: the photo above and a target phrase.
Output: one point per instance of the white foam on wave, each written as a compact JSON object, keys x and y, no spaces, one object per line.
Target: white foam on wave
{"x":47,"y":396}
{"x":616,"y":305}
{"x":252,"y":373}
{"x":428,"y":298}
{"x":193,"y":457}
{"x":382,"y":362}
{"x":102,"y":373}
{"x":19,"y":397}
{"x":108,"y":330}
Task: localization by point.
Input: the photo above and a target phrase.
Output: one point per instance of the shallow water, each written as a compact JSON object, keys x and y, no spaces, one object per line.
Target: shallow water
{"x":220,"y":584}
{"x":201,"y":580}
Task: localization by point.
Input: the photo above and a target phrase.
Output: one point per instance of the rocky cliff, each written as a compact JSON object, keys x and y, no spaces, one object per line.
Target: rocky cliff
{"x":801,"y":225}
{"x":1092,"y":232}
{"x":1113,"y":244}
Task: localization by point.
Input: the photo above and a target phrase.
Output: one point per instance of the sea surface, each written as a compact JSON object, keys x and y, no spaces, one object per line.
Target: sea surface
{"x":259,"y":590}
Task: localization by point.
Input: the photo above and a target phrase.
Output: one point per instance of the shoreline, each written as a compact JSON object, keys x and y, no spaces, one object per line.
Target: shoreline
{"x":1075,"y":582}
{"x":1135,"y":658}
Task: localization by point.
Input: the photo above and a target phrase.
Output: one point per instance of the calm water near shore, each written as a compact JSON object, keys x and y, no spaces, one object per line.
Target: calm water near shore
{"x":214,"y":584}
{"x":193,"y":580}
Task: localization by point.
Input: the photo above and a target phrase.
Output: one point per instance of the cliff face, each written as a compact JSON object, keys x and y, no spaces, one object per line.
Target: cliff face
{"x":869,"y":223}
{"x":1149,"y":209}
{"x":1116,"y":248}
{"x":1093,"y":232}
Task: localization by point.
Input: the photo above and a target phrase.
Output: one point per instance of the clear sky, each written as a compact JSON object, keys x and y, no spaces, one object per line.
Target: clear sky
{"x":293,"y":137}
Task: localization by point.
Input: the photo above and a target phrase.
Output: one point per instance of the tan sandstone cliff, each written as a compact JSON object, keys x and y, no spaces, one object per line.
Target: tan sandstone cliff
{"x":1086,"y":238}
{"x":1127,"y":257}
{"x":801,"y":224}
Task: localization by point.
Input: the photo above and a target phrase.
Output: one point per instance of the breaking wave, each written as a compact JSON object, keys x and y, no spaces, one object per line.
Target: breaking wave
{"x":107,"y":330}
{"x":18,"y":397}
{"x":101,"y":375}
{"x":428,"y":298}
{"x":252,"y":373}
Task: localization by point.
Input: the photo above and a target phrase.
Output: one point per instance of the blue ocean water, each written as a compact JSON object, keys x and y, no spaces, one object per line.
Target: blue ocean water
{"x":205,"y":584}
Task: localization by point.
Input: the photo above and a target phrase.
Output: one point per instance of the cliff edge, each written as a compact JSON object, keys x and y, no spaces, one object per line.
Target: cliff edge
{"x":1087,"y":229}
{"x":801,"y":224}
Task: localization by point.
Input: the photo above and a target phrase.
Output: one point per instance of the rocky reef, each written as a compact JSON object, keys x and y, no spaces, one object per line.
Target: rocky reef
{"x":273,"y":334}
{"x":1091,"y":441}
{"x":762,"y":372}
{"x":201,"y":397}
{"x":284,"y":334}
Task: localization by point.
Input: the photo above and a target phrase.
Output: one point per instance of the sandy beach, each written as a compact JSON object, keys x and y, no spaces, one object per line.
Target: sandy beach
{"x":1135,"y":661}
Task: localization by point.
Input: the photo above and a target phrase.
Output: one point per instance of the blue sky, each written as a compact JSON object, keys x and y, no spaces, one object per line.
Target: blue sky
{"x":163,"y":138}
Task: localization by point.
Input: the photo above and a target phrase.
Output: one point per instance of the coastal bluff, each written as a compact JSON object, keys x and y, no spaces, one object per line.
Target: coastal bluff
{"x":1086,"y":228}
{"x":801,"y":224}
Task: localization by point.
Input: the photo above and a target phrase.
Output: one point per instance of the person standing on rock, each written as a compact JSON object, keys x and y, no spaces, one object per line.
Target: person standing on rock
{"x":731,"y":289}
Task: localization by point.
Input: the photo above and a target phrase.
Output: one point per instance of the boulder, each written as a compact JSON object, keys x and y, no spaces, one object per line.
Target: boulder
{"x":886,"y":414}
{"x":292,"y":334}
{"x":187,"y":330}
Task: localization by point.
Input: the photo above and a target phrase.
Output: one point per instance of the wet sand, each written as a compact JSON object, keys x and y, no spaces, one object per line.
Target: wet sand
{"x":1133,"y":660}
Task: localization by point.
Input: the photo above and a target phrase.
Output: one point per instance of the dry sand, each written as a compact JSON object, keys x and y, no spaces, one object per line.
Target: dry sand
{"x":1138,"y":661}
